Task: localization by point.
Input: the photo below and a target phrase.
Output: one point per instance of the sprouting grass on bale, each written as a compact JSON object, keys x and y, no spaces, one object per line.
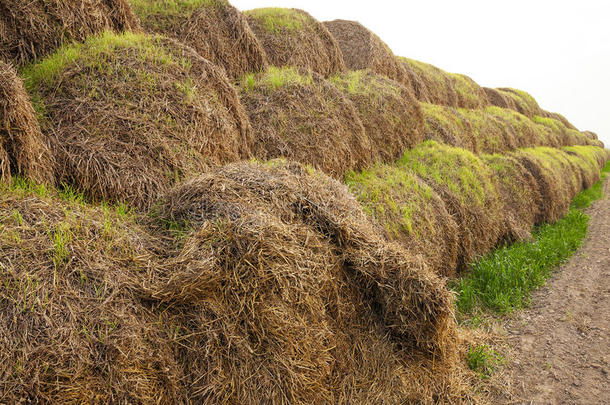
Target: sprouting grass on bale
{"x":151,"y":8}
{"x":276,"y":19}
{"x":275,"y":78}
{"x":503,"y":280}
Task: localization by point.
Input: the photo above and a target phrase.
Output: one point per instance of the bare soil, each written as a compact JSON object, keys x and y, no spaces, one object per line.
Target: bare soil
{"x":560,"y":346}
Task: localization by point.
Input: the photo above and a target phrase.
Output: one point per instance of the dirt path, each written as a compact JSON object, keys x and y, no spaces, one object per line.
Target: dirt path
{"x":561,"y":345}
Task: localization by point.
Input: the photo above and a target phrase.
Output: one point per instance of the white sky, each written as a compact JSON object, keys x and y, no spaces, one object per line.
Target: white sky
{"x":559,"y":51}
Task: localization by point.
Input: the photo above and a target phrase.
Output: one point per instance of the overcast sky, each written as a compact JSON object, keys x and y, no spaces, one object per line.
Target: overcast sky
{"x":559,"y":51}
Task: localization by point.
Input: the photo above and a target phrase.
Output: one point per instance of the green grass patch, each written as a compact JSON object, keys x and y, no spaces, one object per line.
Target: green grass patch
{"x":185,"y":8}
{"x":275,"y":78}
{"x":503,"y":280}
{"x":483,"y":360}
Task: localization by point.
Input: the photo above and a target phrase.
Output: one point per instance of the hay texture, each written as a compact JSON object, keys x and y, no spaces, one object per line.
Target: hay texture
{"x":523,"y":101}
{"x":519,"y":194}
{"x":470,"y":192}
{"x":362,"y":49}
{"x":131,"y":114}
{"x":499,"y":99}
{"x":287,"y":294}
{"x":435,"y":86}
{"x":391,"y":116}
{"x":30,"y":30}
{"x":24,"y":151}
{"x":71,"y":329}
{"x":303,"y":117}
{"x":292,"y":37}
{"x":409,"y":211}
{"x":214,"y":28}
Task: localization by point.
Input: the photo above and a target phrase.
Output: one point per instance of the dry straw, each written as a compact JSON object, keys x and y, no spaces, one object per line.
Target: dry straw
{"x":301,"y":116}
{"x":292,"y":37}
{"x":362,"y":49}
{"x":129,"y":115}
{"x":24,"y":151}
{"x":30,"y":30}
{"x":391,"y":116}
{"x":214,"y":28}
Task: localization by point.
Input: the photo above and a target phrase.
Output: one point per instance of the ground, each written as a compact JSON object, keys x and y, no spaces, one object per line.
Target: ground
{"x":559,"y":348}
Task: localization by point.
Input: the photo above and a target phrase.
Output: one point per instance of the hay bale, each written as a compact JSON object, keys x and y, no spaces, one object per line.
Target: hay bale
{"x":559,"y":117}
{"x":214,"y":28}
{"x":519,"y":193}
{"x":591,"y":135}
{"x":526,"y":133}
{"x":25,"y":151}
{"x":292,"y":37}
{"x":131,"y":114}
{"x":524,"y":102}
{"x":470,"y":192}
{"x":492,"y":135}
{"x":302,"y":117}
{"x":410,"y":212}
{"x":449,"y":126}
{"x":391,"y":116}
{"x":438,"y":85}
{"x":33,"y":29}
{"x":71,"y":327}
{"x":286,"y":288}
{"x":469,"y":93}
{"x":499,"y":99}
{"x":362,"y":49}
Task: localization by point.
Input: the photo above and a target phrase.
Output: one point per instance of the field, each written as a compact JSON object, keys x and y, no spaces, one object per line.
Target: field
{"x":203,"y":205}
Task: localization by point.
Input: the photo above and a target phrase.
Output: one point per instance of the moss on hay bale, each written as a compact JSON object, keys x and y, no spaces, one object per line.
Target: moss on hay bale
{"x":33,"y":29}
{"x":391,"y":116}
{"x":131,"y":114}
{"x":292,"y":37}
{"x":499,"y":99}
{"x":559,"y":117}
{"x":302,"y":117}
{"x":71,"y":327}
{"x":288,"y":293}
{"x":447,"y":125}
{"x":214,"y":28}
{"x":469,"y":93}
{"x":409,"y":211}
{"x":519,"y":193}
{"x":492,"y":135}
{"x":526,"y":132}
{"x":362,"y":49}
{"x":25,"y":150}
{"x":470,"y":192}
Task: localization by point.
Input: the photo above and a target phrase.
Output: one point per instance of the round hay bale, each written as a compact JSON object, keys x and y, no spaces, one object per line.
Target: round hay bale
{"x":438,"y":85}
{"x":586,"y":158}
{"x":303,"y":117}
{"x":492,"y":135}
{"x":410,"y":212}
{"x":391,"y":116}
{"x":129,"y":115}
{"x":214,"y":28}
{"x":33,"y":29}
{"x":591,"y":135}
{"x":524,"y":102}
{"x":279,"y":276}
{"x":72,"y":329}
{"x":469,"y":93}
{"x":448,"y":125}
{"x":362,"y":49}
{"x":519,"y":193}
{"x":499,"y":99}
{"x":526,"y":133}
{"x":292,"y":37}
{"x":558,"y":117}
{"x":26,"y":151}
{"x":470,"y":192}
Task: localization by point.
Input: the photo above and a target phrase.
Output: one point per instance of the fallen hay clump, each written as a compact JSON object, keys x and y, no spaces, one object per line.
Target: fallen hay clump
{"x":30,"y":30}
{"x":470,"y":192}
{"x":24,"y":151}
{"x":214,"y":28}
{"x":131,"y":114}
{"x":410,"y":212}
{"x":286,"y":293}
{"x":301,"y":116}
{"x":391,"y":116}
{"x":362,"y":49}
{"x":292,"y":37}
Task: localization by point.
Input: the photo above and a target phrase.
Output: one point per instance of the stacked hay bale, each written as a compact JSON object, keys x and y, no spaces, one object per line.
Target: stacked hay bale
{"x":499,"y":99}
{"x":449,"y":126}
{"x":435,"y":86}
{"x":300,"y":116}
{"x":391,"y":116}
{"x":292,"y":37}
{"x":30,"y":30}
{"x":470,"y":192}
{"x":24,"y":151}
{"x":283,"y":288}
{"x":362,"y":49}
{"x":214,"y":28}
{"x":519,"y":193}
{"x":409,"y":211}
{"x":523,"y":101}
{"x":71,"y":327}
{"x":525,"y":131}
{"x":136,"y":113}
